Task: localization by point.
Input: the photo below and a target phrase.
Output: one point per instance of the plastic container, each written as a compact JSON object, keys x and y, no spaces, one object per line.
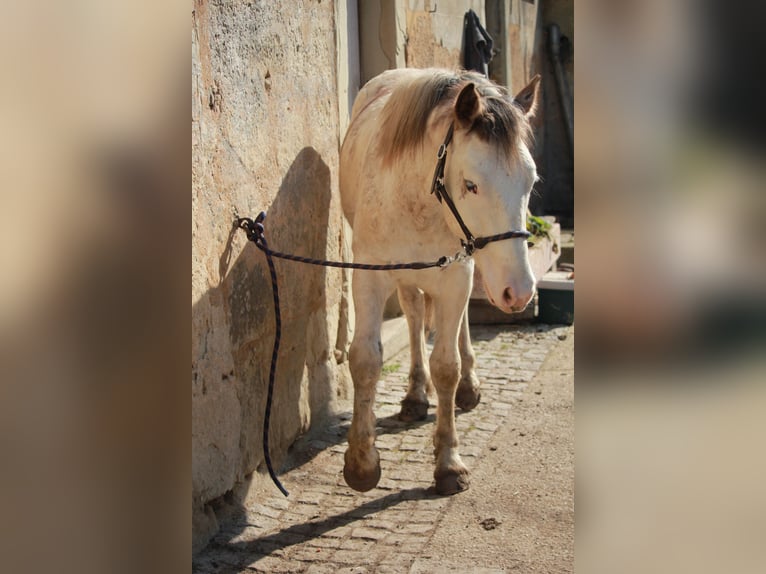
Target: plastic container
{"x":555,"y":303}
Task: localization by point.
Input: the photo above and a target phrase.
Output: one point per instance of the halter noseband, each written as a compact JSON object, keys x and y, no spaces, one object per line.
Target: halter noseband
{"x":438,"y":187}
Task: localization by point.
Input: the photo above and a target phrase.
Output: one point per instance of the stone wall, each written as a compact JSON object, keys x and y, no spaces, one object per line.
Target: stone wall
{"x":435,"y":31}
{"x":265,"y":137}
{"x":412,"y":33}
{"x":556,"y":160}
{"x":513,"y":24}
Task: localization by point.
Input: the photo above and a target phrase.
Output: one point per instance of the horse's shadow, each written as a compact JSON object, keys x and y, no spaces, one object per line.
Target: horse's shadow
{"x":251,"y":550}
{"x":233,"y":331}
{"x":238,"y":552}
{"x":302,"y":452}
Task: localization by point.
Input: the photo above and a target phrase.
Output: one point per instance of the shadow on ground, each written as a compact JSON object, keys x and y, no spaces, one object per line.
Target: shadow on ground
{"x":251,"y":551}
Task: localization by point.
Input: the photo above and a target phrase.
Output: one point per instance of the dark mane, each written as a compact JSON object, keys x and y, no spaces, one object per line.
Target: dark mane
{"x":432,"y":94}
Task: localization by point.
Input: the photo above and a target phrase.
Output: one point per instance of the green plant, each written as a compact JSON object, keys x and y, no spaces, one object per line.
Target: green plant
{"x":391,"y":368}
{"x":537,"y":226}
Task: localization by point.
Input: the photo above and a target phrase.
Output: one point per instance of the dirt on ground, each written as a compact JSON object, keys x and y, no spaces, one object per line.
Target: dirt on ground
{"x":518,"y":515}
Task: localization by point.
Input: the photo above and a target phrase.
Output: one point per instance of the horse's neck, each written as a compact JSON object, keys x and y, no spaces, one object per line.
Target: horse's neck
{"x":415,"y":170}
{"x":412,"y":205}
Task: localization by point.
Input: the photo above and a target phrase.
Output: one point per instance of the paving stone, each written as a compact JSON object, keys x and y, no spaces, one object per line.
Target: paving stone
{"x":277,"y":503}
{"x":311,"y":554}
{"x":356,"y":570}
{"x":310,"y":497}
{"x":369,"y":533}
{"x":361,"y":546}
{"x":414,"y":528}
{"x":327,"y":568}
{"x":396,"y":562}
{"x":380,"y":523}
{"x":261,"y":510}
{"x":288,"y":538}
{"x":419,"y":457}
{"x":274,"y":565}
{"x":352,"y":557}
{"x":339,"y":532}
{"x":391,"y":456}
{"x":300,"y":512}
{"x":425,"y":566}
{"x":263,"y":523}
{"x":425,"y":516}
{"x":387,"y":441}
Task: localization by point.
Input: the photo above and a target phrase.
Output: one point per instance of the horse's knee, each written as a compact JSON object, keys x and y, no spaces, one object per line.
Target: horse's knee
{"x":365,"y":360}
{"x":445,"y":373}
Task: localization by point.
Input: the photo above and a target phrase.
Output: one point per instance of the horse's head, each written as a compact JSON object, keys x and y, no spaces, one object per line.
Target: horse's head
{"x":489,"y":175}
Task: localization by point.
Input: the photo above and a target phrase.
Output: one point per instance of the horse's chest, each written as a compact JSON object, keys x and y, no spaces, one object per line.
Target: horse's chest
{"x":420,"y":216}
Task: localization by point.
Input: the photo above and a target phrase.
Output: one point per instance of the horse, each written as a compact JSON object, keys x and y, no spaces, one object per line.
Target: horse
{"x":405,"y":124}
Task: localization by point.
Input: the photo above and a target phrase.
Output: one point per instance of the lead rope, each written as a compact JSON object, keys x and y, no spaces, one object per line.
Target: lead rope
{"x":255,"y":233}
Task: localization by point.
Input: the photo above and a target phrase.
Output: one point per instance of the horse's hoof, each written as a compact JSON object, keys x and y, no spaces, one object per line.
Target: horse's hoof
{"x":413,"y":410}
{"x":361,"y":479}
{"x":467,"y":397}
{"x":451,"y":482}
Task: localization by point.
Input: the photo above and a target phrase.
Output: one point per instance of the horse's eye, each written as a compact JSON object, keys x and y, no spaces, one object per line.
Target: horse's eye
{"x":471,"y":186}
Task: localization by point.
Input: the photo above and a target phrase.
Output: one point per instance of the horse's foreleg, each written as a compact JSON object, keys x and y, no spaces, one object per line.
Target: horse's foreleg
{"x":468,"y":393}
{"x":450,"y":474}
{"x":362,"y":462}
{"x":415,"y":403}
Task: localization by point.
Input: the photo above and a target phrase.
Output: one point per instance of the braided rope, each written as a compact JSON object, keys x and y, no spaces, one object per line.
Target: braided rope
{"x":272,"y":371}
{"x":481,"y":242}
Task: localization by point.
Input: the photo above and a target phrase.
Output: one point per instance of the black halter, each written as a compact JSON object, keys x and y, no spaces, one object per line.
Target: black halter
{"x":470,"y":243}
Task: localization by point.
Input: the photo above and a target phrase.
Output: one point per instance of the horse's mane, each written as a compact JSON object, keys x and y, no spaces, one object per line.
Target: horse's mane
{"x":414,"y":101}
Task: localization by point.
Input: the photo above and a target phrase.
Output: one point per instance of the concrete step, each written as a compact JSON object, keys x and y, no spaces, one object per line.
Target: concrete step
{"x":394,"y":336}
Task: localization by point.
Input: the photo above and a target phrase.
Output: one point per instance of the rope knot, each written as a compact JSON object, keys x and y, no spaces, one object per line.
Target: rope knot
{"x":253,"y":228}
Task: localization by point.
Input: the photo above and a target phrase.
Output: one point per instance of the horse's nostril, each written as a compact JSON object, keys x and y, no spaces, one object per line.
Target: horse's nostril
{"x":508,"y":297}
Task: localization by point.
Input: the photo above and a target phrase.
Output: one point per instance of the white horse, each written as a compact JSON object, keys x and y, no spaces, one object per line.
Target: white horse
{"x":399,"y":121}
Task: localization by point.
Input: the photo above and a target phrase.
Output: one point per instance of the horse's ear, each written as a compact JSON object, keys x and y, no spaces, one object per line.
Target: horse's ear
{"x":468,"y":105}
{"x":526,"y":99}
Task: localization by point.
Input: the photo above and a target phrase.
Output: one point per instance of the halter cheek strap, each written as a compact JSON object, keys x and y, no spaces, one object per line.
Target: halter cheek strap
{"x":439,"y":188}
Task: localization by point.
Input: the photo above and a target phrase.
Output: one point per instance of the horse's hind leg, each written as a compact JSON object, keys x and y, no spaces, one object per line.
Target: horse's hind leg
{"x":415,"y":403}
{"x":362,"y":462}
{"x":468,"y":393}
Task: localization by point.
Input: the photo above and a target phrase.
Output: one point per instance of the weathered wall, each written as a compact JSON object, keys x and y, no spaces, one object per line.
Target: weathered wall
{"x":520,"y":31}
{"x":513,"y":27}
{"x":265,"y":137}
{"x":412,"y":33}
{"x":435,"y":31}
{"x":556,"y":160}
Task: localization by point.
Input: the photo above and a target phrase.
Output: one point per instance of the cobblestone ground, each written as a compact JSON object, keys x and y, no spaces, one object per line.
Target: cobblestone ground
{"x":324,"y":526}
